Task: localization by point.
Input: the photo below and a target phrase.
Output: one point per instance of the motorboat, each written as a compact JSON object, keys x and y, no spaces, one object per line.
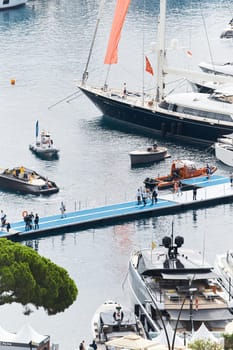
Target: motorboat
{"x":112,"y":320}
{"x":175,"y":285}
{"x":25,"y":181}
{"x":44,"y":147}
{"x":150,"y":154}
{"x":224,"y":149}
{"x":224,"y":267}
{"x":7,"y":4}
{"x":180,"y":170}
{"x":187,"y":116}
{"x":217,"y":68}
{"x":227,"y":33}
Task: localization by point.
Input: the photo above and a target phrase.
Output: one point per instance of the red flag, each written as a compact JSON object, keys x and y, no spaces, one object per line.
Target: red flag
{"x":189,"y":53}
{"x":149,"y":68}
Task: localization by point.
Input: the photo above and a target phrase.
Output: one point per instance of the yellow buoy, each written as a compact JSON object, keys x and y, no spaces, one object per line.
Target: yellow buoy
{"x":12,"y":81}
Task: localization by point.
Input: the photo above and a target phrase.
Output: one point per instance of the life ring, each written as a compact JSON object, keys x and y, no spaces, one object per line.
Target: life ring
{"x":24,"y":213}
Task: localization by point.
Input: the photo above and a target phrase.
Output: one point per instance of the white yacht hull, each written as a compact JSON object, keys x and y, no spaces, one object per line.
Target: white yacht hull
{"x":224,"y":153}
{"x":4,"y":4}
{"x":224,"y":267}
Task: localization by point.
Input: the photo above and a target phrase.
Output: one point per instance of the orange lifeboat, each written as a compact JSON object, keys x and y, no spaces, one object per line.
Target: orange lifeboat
{"x":180,"y":170}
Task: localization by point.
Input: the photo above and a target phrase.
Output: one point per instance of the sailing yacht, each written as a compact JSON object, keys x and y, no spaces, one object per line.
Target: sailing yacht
{"x":190,"y":116}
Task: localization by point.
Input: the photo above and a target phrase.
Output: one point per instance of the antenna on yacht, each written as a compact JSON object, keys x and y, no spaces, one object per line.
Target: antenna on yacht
{"x":203,"y":250}
{"x":161,"y":54}
{"x":85,"y":73}
{"x":172,"y":235}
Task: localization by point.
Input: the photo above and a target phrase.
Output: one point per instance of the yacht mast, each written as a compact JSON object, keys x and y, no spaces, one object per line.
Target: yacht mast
{"x":161,"y":51}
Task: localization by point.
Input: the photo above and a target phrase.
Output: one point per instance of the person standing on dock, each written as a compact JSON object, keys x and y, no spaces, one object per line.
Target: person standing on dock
{"x":93,"y":345}
{"x":231,"y":178}
{"x":82,"y":345}
{"x":208,"y":171}
{"x":154,"y":195}
{"x":175,"y":187}
{"x":63,"y":210}
{"x":194,"y":193}
{"x":179,"y":188}
{"x":144,"y":197}
{"x":139,"y":196}
{"x":36,"y":222}
{"x":3,"y":219}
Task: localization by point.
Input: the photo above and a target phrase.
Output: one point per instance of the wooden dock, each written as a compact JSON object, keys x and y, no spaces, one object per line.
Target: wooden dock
{"x":213,"y":191}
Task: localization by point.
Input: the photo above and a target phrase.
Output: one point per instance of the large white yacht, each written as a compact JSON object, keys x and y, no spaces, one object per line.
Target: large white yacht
{"x":172,"y":284}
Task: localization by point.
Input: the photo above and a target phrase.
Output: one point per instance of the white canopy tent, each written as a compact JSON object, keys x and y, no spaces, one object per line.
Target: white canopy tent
{"x":162,"y":338}
{"x":204,"y":334}
{"x":26,"y":338}
{"x":27,"y":334}
{"x":229,"y":328}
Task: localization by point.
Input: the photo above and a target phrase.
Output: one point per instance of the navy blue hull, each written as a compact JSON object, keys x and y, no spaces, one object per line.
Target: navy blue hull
{"x":159,"y":123}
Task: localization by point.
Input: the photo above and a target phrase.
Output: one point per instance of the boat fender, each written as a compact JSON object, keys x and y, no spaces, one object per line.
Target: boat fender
{"x":24,"y":213}
{"x":196,"y":303}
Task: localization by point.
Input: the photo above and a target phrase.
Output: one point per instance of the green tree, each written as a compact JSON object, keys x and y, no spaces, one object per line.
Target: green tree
{"x":26,"y":277}
{"x":201,"y":344}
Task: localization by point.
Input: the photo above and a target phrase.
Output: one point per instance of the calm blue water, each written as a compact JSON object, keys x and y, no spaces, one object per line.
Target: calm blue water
{"x":44,"y":47}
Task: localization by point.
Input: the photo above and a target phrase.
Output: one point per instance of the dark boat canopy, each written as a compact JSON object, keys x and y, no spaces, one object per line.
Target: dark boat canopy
{"x":186,"y":265}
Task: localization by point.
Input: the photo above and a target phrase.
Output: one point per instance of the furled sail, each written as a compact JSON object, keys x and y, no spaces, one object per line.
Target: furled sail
{"x":117,"y":24}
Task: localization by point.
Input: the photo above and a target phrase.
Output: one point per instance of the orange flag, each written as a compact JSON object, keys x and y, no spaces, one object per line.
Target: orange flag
{"x":149,"y":68}
{"x":117,"y":24}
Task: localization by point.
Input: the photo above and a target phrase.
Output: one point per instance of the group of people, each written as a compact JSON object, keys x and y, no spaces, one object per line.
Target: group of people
{"x":92,"y":346}
{"x":143,"y":195}
{"x":4,"y":222}
{"x":31,"y":221}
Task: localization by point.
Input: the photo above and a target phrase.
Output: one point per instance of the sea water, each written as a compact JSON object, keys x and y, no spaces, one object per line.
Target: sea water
{"x":44,"y":48}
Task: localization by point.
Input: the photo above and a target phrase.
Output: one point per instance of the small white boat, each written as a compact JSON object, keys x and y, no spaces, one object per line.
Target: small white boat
{"x":7,"y":4}
{"x":151,"y":154}
{"x":44,"y":147}
{"x":224,"y":149}
{"x":111,"y":321}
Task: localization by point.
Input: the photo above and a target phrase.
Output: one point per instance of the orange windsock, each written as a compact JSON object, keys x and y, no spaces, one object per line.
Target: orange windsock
{"x":117,"y":24}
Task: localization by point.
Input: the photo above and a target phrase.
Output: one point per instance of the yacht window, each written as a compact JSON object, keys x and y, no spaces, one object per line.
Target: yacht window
{"x":6,"y":2}
{"x":204,"y":114}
